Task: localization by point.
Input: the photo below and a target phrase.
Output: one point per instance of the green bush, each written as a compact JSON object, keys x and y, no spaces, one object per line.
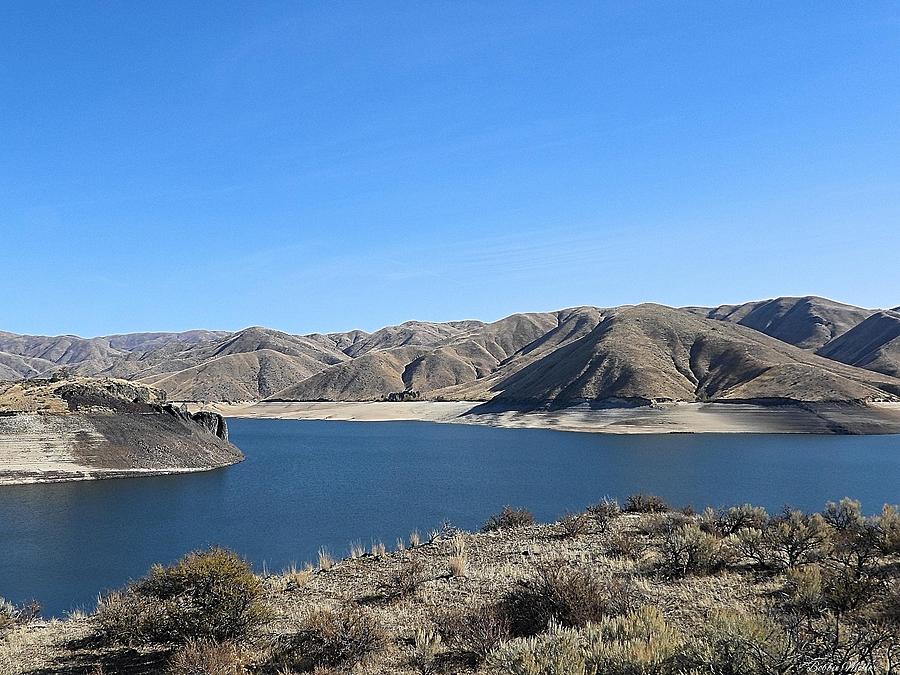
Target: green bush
{"x":732,"y":643}
{"x":330,"y":638}
{"x":640,"y":642}
{"x":844,"y":515}
{"x":209,"y":594}
{"x":887,"y":527}
{"x":796,"y":539}
{"x":508,"y":518}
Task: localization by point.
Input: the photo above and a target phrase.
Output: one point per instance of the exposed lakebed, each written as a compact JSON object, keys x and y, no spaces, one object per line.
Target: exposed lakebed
{"x":308,"y":484}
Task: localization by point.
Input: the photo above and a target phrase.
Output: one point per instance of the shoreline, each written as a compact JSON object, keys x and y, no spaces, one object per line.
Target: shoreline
{"x":826,"y":419}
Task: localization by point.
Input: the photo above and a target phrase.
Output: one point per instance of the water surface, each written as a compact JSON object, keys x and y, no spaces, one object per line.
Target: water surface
{"x":307,"y":484}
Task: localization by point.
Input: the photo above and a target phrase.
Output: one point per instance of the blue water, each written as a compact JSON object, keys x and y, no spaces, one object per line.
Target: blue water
{"x":308,"y":484}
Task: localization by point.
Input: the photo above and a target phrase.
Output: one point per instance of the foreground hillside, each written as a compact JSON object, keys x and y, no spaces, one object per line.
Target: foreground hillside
{"x":81,"y":428}
{"x":649,"y":591}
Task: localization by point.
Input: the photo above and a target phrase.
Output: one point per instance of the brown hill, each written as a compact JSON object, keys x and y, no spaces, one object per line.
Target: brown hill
{"x":809,"y":322}
{"x":874,"y":344}
{"x":652,"y":353}
{"x":462,"y":357}
{"x":644,"y":353}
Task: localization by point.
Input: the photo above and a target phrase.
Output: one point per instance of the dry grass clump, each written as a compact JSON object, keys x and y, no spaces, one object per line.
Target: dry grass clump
{"x":568,"y":595}
{"x":208,"y":658}
{"x":426,"y":647}
{"x":326,"y":562}
{"x":459,"y":561}
{"x":209,"y":594}
{"x":644,"y":503}
{"x":415,"y":539}
{"x":507,"y":519}
{"x":330,"y":638}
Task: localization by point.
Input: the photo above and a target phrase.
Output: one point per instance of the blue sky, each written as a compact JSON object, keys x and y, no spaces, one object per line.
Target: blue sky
{"x":326,"y":166}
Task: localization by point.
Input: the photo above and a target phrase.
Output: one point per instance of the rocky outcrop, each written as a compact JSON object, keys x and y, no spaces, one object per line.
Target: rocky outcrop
{"x":83,"y":428}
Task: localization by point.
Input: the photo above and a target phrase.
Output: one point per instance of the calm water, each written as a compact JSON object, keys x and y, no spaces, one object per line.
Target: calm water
{"x":307,"y":484}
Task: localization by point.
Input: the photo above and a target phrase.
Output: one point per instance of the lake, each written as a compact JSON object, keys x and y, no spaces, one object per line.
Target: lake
{"x":308,"y":484}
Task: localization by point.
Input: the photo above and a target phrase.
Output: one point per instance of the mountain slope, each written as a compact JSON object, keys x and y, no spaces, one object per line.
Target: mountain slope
{"x":467,"y":352}
{"x":874,"y":344}
{"x":809,"y":322}
{"x":651,"y":352}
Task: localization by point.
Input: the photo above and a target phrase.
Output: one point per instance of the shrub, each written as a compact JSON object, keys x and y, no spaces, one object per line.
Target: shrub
{"x":405,"y":581}
{"x":209,"y":594}
{"x":14,"y":615}
{"x":640,"y":642}
{"x":734,"y":519}
{"x":844,"y":515}
{"x":575,"y":524}
{"x":330,"y":638}
{"x":803,"y":588}
{"x":604,"y":512}
{"x":624,"y":544}
{"x":796,"y":539}
{"x":887,"y":527}
{"x":691,"y":551}
{"x":208,"y":658}
{"x":414,"y":539}
{"x":731,"y":643}
{"x":567,"y":595}
{"x":508,"y":518}
{"x":427,"y":645}
{"x":656,"y":524}
{"x":475,"y":633}
{"x":644,"y":503}
{"x":752,"y":544}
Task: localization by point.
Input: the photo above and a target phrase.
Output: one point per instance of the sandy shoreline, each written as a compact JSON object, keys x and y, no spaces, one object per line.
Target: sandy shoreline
{"x":667,"y":418}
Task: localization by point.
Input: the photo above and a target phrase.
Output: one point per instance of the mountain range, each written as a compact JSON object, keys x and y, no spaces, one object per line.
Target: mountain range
{"x":807,"y":349}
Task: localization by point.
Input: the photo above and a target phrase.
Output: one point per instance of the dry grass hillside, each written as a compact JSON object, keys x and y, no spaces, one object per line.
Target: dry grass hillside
{"x":874,"y":344}
{"x":809,"y":322}
{"x":640,"y":590}
{"x":582,"y":353}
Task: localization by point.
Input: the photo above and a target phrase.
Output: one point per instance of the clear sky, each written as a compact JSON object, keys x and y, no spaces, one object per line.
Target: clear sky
{"x":325,"y":166}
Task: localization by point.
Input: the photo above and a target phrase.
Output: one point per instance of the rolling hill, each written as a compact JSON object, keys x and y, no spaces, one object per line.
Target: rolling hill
{"x":803,"y":349}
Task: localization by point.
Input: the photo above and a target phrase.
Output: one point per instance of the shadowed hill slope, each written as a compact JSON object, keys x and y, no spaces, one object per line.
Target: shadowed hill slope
{"x":640,"y":354}
{"x":755,"y":350}
{"x":874,"y":344}
{"x":809,"y":322}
